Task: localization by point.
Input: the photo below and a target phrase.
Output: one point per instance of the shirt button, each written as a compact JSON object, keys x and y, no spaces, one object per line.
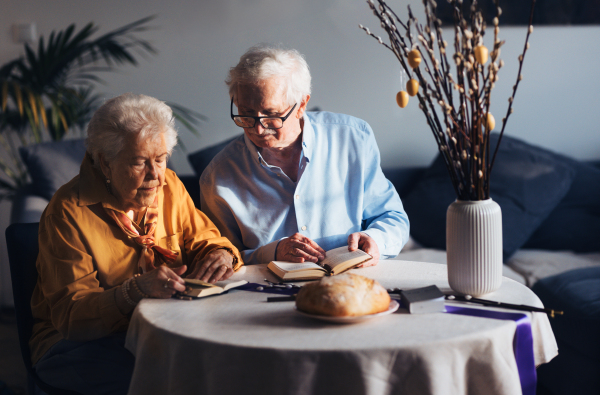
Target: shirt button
{"x":304,"y":227}
{"x":297,"y":196}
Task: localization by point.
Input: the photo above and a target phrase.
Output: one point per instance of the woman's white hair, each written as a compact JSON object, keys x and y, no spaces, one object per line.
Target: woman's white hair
{"x":126,"y":115}
{"x":265,"y":61}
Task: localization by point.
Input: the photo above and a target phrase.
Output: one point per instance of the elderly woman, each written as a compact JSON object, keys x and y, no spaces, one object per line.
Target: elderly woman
{"x":124,"y":229}
{"x":297,"y":183}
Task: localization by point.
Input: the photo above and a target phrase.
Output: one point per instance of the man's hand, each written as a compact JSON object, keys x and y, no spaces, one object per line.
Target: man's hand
{"x":299,"y":248}
{"x":214,"y":267}
{"x":367,"y":244}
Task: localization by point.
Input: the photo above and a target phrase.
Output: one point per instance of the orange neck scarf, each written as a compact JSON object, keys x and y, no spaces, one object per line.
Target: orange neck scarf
{"x":147,"y":259}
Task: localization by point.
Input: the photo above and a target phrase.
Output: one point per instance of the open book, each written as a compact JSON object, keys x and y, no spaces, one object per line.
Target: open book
{"x":199,"y":288}
{"x":336,"y":261}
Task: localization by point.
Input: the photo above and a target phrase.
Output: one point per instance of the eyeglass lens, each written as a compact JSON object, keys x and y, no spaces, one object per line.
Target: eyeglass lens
{"x":267,"y":123}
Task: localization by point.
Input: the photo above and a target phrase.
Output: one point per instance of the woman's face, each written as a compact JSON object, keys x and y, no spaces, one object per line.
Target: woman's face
{"x":138,"y":172}
{"x":266,"y":99}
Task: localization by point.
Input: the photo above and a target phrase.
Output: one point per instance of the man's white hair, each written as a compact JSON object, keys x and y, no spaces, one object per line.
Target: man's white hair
{"x":265,"y":61}
{"x":126,"y":115}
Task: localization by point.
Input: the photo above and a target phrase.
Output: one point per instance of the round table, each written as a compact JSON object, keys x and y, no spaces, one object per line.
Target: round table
{"x":238,"y":343}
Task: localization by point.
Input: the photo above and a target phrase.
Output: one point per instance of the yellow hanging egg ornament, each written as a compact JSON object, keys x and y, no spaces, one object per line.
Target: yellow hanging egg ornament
{"x":412,"y":87}
{"x":414,"y":58}
{"x":481,"y":54}
{"x":490,"y":122}
{"x":402,"y":99}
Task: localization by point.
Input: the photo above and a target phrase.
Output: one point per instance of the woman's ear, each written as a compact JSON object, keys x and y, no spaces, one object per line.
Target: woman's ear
{"x":104,"y":166}
{"x":302,"y":107}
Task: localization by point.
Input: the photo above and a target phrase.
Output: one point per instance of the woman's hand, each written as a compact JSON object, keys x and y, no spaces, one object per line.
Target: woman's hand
{"x":367,"y":244}
{"x":162,"y":282}
{"x":299,"y":248}
{"x":216,"y":266}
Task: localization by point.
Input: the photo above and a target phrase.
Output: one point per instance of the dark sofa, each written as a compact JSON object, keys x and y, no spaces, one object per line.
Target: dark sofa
{"x":551,"y":231}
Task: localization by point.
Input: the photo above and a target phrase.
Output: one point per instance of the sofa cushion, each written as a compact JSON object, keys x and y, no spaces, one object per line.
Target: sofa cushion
{"x":527,"y":182}
{"x":577,"y":293}
{"x":200,"y":159}
{"x":52,"y":164}
{"x":575,"y":223}
{"x":534,"y":264}
{"x":404,"y":179}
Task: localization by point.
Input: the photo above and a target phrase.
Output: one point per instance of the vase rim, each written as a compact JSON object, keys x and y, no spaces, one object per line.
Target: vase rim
{"x":474,"y":201}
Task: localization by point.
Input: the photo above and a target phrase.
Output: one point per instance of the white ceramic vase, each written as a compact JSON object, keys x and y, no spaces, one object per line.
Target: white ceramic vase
{"x":474,"y":246}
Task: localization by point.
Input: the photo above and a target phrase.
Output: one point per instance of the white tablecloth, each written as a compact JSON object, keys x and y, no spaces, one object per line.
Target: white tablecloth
{"x":238,"y":343}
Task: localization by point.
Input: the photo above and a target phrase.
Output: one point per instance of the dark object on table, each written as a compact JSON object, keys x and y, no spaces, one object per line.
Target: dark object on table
{"x":22,"y":245}
{"x":423,"y":300}
{"x":291,"y":298}
{"x":575,"y":369}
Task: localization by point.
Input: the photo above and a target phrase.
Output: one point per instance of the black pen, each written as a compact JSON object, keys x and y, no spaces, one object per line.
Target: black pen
{"x":491,"y":303}
{"x":290,"y":298}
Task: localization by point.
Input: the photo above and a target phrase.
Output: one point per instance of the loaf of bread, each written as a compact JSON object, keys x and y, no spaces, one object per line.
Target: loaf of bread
{"x":344,"y":295}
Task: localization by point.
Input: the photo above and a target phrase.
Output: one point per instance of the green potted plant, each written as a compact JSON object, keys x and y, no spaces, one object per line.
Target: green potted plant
{"x":50,"y":91}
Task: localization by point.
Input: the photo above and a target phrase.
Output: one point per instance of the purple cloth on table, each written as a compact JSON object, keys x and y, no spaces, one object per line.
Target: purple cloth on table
{"x":523,"y":343}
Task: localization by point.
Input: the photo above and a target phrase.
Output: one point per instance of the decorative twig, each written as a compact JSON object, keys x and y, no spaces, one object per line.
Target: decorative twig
{"x":457,"y":110}
{"x":519,"y":79}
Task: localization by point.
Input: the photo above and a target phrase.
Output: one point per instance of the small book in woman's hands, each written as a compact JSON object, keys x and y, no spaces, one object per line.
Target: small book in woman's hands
{"x":336,"y":261}
{"x":199,"y":288}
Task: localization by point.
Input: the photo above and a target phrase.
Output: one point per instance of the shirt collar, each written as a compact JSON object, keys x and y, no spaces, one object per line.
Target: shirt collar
{"x":308,"y":137}
{"x":92,"y":185}
{"x":253,"y":150}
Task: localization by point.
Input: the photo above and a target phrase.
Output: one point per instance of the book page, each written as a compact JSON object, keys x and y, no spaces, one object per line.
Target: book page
{"x":296,"y":267}
{"x":229,"y":283}
{"x":198,"y":288}
{"x":224,"y":284}
{"x":340,"y":255}
{"x":198,"y":283}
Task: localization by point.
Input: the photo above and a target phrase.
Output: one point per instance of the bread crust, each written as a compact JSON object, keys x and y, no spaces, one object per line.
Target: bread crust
{"x":344,"y":295}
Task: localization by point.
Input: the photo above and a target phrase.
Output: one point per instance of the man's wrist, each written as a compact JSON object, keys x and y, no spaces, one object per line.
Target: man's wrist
{"x":277,"y":246}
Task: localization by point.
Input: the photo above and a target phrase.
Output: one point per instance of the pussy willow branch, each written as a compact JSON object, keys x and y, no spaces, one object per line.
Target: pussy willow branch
{"x":425,"y":100}
{"x":400,"y":49}
{"x":519,"y":78}
{"x":461,"y":133}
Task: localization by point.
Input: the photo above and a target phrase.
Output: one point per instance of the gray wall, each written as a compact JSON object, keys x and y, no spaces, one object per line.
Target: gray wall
{"x":199,"y":40}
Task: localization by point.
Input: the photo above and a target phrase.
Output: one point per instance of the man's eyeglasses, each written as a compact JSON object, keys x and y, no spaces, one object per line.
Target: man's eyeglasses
{"x":244,"y":121}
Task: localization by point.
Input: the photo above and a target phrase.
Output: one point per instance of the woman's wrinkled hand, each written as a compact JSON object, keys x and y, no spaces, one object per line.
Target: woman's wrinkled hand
{"x":162,"y":282}
{"x":364,"y":242}
{"x":216,"y":266}
{"x":299,"y":248}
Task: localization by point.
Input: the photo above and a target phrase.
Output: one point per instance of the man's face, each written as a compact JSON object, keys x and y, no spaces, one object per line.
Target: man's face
{"x":266,"y":98}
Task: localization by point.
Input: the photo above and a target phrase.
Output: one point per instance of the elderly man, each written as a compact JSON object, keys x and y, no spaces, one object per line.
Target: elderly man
{"x":297,"y":183}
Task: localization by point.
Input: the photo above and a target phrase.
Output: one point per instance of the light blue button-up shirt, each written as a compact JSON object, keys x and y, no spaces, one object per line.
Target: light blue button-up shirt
{"x":340,"y":190}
